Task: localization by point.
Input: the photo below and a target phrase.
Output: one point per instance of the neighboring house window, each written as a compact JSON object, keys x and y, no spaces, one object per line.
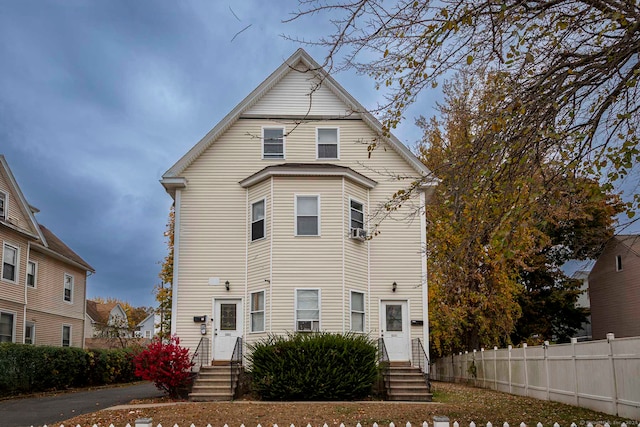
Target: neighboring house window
{"x":258,"y":223}
{"x":257,"y":311}
{"x":7,"y":326}
{"x":66,"y":336}
{"x":147,"y":334}
{"x":9,"y":263}
{"x":618,"y":262}
{"x":307,"y":310}
{"x":31,"y":274}
{"x":307,"y":215}
{"x":357,"y":311}
{"x":29,"y":333}
{"x":4,"y":206}
{"x":327,"y":143}
{"x":68,"y":288}
{"x":357,"y":215}
{"x":273,"y":143}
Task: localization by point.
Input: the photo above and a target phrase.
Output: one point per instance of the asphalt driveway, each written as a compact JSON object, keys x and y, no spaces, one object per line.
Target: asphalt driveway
{"x":36,"y":411}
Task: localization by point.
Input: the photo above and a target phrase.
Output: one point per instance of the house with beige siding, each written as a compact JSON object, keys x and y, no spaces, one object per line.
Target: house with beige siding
{"x":42,"y":281}
{"x":614,"y":288}
{"x":275,"y":211}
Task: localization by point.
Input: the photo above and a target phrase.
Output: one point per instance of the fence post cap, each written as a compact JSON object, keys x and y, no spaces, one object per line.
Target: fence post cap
{"x":440,"y":418}
{"x":524,"y":345}
{"x":610,"y":336}
{"x":143,"y":422}
{"x":574,"y":340}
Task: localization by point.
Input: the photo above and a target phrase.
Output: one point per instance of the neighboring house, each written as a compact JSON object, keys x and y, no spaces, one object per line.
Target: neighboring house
{"x":149,"y":327}
{"x":614,"y":288}
{"x":584,"y":301}
{"x":42,"y":282}
{"x":274,"y":208}
{"x":106,"y":320}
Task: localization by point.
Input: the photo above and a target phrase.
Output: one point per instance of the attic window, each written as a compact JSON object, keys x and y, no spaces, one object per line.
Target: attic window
{"x":273,"y":143}
{"x":618,"y":262}
{"x":3,"y":206}
{"x":327,"y":143}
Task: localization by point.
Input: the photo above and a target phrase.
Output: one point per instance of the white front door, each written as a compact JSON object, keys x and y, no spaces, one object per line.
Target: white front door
{"x":227,"y":327}
{"x":394,"y":326}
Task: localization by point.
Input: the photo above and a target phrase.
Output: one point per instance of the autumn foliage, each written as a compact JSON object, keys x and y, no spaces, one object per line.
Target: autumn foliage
{"x":166,"y":364}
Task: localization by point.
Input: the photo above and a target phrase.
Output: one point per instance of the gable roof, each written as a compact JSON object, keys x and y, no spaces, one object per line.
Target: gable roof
{"x":631,"y":241}
{"x":100,"y":312}
{"x":58,"y":246}
{"x":171,"y":178}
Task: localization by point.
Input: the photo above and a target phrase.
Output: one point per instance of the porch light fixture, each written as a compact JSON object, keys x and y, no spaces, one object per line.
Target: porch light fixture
{"x":394,"y":286}
{"x":226,"y":285}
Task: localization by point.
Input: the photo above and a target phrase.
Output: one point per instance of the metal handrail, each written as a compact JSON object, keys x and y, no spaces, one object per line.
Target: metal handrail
{"x":383,"y":364}
{"x":200,"y":355}
{"x":236,"y":367}
{"x":421,"y":360}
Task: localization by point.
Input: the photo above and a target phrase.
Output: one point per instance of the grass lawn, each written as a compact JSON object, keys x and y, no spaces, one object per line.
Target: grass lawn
{"x":460,"y":403}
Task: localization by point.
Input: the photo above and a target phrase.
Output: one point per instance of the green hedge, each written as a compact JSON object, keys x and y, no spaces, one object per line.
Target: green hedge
{"x":28,"y":369}
{"x":319,"y":366}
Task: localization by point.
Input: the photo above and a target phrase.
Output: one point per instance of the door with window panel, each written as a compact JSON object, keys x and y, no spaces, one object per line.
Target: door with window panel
{"x":227,"y":327}
{"x":394,"y":328}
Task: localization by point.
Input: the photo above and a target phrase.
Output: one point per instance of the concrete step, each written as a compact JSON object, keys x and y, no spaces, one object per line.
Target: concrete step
{"x":209,"y":397}
{"x":411,"y":397}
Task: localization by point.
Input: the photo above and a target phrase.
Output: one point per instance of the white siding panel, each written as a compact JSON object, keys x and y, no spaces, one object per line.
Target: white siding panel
{"x":298,"y":93}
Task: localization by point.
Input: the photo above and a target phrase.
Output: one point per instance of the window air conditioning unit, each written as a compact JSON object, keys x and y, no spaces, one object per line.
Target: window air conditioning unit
{"x":359,"y":234}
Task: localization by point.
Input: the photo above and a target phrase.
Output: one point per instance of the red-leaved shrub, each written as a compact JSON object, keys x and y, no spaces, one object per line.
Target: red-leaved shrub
{"x":166,"y":364}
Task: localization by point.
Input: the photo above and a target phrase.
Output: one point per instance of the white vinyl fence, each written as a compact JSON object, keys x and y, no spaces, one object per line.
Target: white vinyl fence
{"x":600,"y":375}
{"x":441,"y":423}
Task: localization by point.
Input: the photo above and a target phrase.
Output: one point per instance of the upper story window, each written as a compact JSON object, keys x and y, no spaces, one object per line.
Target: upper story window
{"x":307,"y":216}
{"x":257,"y":311}
{"x":3,"y":206}
{"x":68,"y":288}
{"x":618,"y":262}
{"x":273,"y":143}
{"x":357,"y":311}
{"x":307,"y":310}
{"x":7,"y":326}
{"x":32,"y":268}
{"x":9,"y":263}
{"x":356,"y":217}
{"x":327,"y":139}
{"x":258,"y":223}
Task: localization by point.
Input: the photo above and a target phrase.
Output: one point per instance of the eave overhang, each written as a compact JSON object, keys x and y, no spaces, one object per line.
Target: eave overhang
{"x":173,"y":184}
{"x":307,"y":170}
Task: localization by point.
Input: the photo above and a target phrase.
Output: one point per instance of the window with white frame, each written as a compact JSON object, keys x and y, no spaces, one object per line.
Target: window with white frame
{"x":66,"y":335}
{"x":3,"y":206}
{"x":273,"y":143}
{"x":32,"y":268}
{"x":68,"y":287}
{"x":258,"y":223}
{"x":307,"y":310}
{"x":327,"y":141}
{"x":257,"y":311}
{"x":356,"y":217}
{"x":9,"y":263}
{"x":147,"y":334}
{"x":29,"y":333}
{"x":7,"y":326}
{"x":307,"y":215}
{"x":357,"y":311}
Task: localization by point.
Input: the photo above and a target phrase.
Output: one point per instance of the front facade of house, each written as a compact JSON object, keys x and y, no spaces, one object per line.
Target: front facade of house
{"x":614,"y":289}
{"x":106,"y":319}
{"x":42,"y":281}
{"x":272,"y":212}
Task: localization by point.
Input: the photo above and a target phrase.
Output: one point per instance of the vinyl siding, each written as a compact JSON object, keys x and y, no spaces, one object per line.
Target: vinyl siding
{"x":18,"y":311}
{"x":295,"y":95}
{"x":49,"y":328}
{"x":13,"y":291}
{"x":15,"y":215}
{"x":214,"y":241}
{"x":615,"y":295}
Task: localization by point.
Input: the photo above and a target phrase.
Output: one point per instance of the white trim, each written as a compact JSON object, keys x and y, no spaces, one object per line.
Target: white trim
{"x":344,"y":326}
{"x":16,"y":271}
{"x":311,"y":170}
{"x":264,"y":219}
{"x":35,"y":274}
{"x":66,"y":325}
{"x":351,"y":310}
{"x":270,"y":255}
{"x":337,"y":129}
{"x":364,"y":224}
{"x":15,"y":322}
{"x":64,"y":288}
{"x":425,"y":279}
{"x":295,"y":308}
{"x":368,"y":242}
{"x":176,"y":261}
{"x":264,"y":311}
{"x":33,"y":332}
{"x":4,"y":215}
{"x":295,"y":215}
{"x":284,"y":142}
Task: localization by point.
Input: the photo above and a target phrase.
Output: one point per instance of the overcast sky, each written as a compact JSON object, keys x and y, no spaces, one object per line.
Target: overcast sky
{"x":99,"y":98}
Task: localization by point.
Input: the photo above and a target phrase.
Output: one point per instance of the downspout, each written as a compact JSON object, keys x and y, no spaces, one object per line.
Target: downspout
{"x":176,"y":261}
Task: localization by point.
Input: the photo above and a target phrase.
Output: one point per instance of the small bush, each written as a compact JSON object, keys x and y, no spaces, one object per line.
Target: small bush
{"x":167,"y":365}
{"x":320,"y":366}
{"x":111,"y":366}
